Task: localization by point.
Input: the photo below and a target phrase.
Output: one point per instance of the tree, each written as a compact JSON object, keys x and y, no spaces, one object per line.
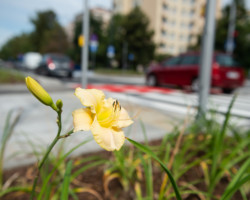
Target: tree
{"x":48,"y":35}
{"x":96,"y":27}
{"x":15,"y":46}
{"x":242,"y":33}
{"x":132,"y":34}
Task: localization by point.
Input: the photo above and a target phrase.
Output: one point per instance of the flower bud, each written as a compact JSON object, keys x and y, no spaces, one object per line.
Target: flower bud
{"x":37,"y":90}
{"x":59,"y":104}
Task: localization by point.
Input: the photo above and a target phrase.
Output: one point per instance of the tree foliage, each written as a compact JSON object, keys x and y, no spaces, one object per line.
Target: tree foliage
{"x":15,"y":46}
{"x":96,"y":27}
{"x":241,"y":36}
{"x":242,"y":33}
{"x":131,"y":35}
{"x":48,"y":35}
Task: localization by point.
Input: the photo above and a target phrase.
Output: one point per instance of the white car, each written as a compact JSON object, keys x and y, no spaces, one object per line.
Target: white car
{"x":31,"y":60}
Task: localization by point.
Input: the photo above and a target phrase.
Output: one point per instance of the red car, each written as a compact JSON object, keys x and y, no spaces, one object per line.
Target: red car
{"x":183,"y":71}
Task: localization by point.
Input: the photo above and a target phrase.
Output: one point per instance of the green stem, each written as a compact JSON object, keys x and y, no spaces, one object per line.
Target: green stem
{"x":1,"y":167}
{"x":58,"y":137}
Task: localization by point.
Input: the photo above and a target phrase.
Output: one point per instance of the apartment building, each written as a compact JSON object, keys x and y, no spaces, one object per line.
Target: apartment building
{"x":176,"y":23}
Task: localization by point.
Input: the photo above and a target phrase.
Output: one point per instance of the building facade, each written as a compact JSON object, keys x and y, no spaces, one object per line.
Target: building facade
{"x":176,"y":23}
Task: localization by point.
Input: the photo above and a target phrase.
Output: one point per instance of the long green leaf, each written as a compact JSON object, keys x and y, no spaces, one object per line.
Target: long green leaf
{"x":149,"y":152}
{"x":236,"y":182}
{"x":229,"y":192}
{"x":82,"y":169}
{"x":147,"y":165}
{"x":218,"y":146}
{"x":45,"y":183}
{"x":144,"y":132}
{"x":15,"y":189}
{"x":7,"y":132}
{"x":66,"y":182}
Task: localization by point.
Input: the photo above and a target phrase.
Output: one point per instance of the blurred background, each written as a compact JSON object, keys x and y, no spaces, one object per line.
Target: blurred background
{"x":126,"y":35}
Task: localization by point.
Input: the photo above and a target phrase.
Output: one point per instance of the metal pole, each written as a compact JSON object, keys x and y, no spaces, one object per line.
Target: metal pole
{"x":85,"y":49}
{"x":125,"y":55}
{"x":231,"y":29}
{"x":206,"y":57}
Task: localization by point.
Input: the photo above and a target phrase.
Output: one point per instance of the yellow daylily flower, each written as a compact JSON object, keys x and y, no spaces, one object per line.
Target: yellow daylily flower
{"x":104,"y":117}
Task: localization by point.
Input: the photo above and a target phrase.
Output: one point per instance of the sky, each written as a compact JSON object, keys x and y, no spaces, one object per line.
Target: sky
{"x":15,"y":14}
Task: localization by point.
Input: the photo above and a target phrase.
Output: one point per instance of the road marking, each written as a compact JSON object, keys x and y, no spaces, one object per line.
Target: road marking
{"x":127,"y":88}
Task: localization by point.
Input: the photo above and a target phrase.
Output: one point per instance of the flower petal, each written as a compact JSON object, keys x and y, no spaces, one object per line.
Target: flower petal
{"x":123,"y":119}
{"x":82,"y":119}
{"x":108,"y":138}
{"x":90,"y":98}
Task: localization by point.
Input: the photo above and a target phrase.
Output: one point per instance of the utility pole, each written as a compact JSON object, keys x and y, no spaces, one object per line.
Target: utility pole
{"x":85,"y":49}
{"x":231,"y":29}
{"x":125,"y":56}
{"x":206,"y":57}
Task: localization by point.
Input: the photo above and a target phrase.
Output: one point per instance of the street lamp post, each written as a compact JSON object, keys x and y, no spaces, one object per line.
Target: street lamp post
{"x":231,"y":29}
{"x":85,"y":50}
{"x":206,"y":57}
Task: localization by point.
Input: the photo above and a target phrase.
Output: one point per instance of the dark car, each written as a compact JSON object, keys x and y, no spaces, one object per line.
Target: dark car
{"x":183,"y":70}
{"x":54,"y":64}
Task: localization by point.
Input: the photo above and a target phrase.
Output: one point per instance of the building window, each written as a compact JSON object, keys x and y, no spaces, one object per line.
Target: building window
{"x":192,"y":1}
{"x":163,"y":33}
{"x":190,"y":38}
{"x":164,"y":20}
{"x":182,"y":49}
{"x":172,"y":36}
{"x":165,"y":7}
{"x":162,"y":46}
{"x":183,"y":25}
{"x":191,"y":13}
{"x":191,"y":25}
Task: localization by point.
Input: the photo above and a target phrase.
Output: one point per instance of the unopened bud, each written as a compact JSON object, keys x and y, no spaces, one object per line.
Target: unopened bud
{"x":59,"y":104}
{"x":37,"y":90}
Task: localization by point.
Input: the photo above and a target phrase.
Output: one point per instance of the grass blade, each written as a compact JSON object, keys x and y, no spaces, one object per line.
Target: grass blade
{"x":218,"y":146}
{"x":236,"y":182}
{"x":149,"y":152}
{"x":147,"y":166}
{"x":228,"y":194}
{"x":46,"y":181}
{"x":7,"y":132}
{"x":66,"y":182}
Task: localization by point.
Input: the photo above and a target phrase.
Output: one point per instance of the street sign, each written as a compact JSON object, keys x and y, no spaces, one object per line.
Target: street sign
{"x":81,"y":41}
{"x":131,"y":57}
{"x":111,"y":51}
{"x":93,"y":43}
{"x":93,"y":48}
{"x":229,"y":45}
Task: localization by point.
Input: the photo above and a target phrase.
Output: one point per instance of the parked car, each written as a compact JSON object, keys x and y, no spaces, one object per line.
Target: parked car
{"x":54,"y":64}
{"x":183,"y":70}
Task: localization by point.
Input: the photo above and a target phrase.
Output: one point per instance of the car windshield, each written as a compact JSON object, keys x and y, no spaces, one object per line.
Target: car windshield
{"x":60,"y":58}
{"x":226,"y":61}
